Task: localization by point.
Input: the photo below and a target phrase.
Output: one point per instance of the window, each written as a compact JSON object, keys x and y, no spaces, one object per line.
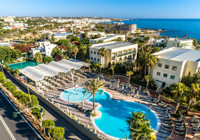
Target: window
{"x":94,"y":52}
{"x":91,"y":58}
{"x":94,"y":59}
{"x":164,"y":75}
{"x":159,"y":65}
{"x":91,"y":52}
{"x":97,"y":59}
{"x":174,"y":68}
{"x":158,"y":73}
{"x":167,"y":66}
{"x":172,"y":77}
{"x":97,"y":53}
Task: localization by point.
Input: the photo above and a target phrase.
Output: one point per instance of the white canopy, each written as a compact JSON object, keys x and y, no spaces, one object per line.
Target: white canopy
{"x":48,"y":69}
{"x":59,"y":66}
{"x":74,"y":63}
{"x":34,"y":73}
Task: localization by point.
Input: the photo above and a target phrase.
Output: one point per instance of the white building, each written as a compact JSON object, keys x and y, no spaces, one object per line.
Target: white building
{"x":117,"y":52}
{"x":180,"y":43}
{"x":61,"y":36}
{"x":8,"y":19}
{"x":44,"y":48}
{"x":108,"y":38}
{"x":173,"y":64}
{"x":93,"y":33}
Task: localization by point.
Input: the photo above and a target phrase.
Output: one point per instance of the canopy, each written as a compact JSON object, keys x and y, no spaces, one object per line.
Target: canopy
{"x":48,"y":69}
{"x":34,"y":73}
{"x":59,"y":66}
{"x":74,"y":63}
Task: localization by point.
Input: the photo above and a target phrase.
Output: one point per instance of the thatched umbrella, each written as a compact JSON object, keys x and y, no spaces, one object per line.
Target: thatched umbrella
{"x":87,"y":126}
{"x":67,"y":111}
{"x":137,"y":93}
{"x":70,"y":114}
{"x":117,"y":85}
{"x":118,"y":81}
{"x":83,"y":103}
{"x":75,"y":117}
{"x":95,"y":131}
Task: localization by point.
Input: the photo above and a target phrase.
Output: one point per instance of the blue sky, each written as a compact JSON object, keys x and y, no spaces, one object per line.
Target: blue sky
{"x":103,"y":8}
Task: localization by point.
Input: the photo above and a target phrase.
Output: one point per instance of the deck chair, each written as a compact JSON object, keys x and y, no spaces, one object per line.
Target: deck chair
{"x":179,"y":133}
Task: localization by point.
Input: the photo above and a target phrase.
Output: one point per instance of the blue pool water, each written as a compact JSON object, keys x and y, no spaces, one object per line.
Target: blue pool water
{"x":115,"y":113}
{"x":75,"y":96}
{"x":22,"y":65}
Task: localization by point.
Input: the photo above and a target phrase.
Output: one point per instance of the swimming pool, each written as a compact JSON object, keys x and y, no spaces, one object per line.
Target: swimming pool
{"x":72,"y":95}
{"x":22,"y":65}
{"x":114,"y":115}
{"x":113,"y":112}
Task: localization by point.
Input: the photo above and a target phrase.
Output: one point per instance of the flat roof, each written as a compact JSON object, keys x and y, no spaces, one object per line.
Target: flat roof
{"x":110,"y":37}
{"x":179,"y":54}
{"x":62,"y":34}
{"x":112,"y":45}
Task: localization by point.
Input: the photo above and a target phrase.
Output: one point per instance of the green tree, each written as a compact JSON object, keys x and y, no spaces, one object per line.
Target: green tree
{"x":129,"y":74}
{"x":93,"y":87}
{"x":178,"y":90}
{"x":99,"y":65}
{"x":192,"y":94}
{"x":48,"y":59}
{"x":139,"y":127}
{"x":99,"y":41}
{"x":103,"y":52}
{"x":151,"y":61}
{"x":147,"y":78}
{"x":88,"y":61}
{"x":75,"y":50}
{"x":112,"y":67}
{"x":36,"y":112}
{"x":52,"y":39}
{"x":56,"y":51}
{"x":108,"y":26}
{"x":57,"y":133}
{"x":48,"y":123}
{"x":38,"y":57}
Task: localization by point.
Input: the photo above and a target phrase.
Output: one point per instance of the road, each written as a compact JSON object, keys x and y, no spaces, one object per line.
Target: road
{"x":13,"y":129}
{"x":70,"y":131}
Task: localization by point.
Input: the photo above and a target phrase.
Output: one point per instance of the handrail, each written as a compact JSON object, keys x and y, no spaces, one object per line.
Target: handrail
{"x":124,"y":137}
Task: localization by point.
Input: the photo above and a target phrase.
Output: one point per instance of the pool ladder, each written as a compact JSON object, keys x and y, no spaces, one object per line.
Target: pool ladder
{"x":126,"y":136}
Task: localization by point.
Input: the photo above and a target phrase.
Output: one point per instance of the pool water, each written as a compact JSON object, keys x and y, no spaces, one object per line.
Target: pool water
{"x":72,"y":95}
{"x":22,"y":65}
{"x":115,"y":113}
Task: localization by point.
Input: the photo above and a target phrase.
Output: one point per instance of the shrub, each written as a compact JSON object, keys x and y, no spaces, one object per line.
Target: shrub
{"x":34,"y":101}
{"x":12,"y":89}
{"x":57,"y":133}
{"x":48,"y":123}
{"x":24,"y":99}
{"x":36,"y":112}
{"x":17,"y":94}
{"x":7,"y":84}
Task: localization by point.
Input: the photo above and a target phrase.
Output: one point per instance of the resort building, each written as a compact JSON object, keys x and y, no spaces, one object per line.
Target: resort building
{"x":180,"y":43}
{"x":36,"y":75}
{"x":173,"y":64}
{"x":117,"y":52}
{"x":60,"y":36}
{"x":92,"y":33}
{"x":108,"y":38}
{"x":120,"y":26}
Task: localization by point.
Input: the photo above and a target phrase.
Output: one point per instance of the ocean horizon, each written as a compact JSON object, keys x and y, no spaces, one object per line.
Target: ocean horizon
{"x":174,"y":27}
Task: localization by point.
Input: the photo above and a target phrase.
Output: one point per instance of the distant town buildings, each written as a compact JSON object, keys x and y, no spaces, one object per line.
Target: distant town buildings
{"x":117,"y":52}
{"x":108,"y":38}
{"x":119,"y":26}
{"x":8,"y":19}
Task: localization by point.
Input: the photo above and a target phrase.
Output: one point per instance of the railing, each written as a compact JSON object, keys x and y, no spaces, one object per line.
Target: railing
{"x":126,"y":136}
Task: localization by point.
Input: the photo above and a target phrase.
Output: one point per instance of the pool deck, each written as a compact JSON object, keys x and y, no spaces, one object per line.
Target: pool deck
{"x":85,"y":118}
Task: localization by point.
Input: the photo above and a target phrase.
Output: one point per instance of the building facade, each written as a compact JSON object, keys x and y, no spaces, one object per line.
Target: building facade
{"x":117,"y":52}
{"x":180,"y":43}
{"x":108,"y":38}
{"x":119,"y":26}
{"x":173,"y":64}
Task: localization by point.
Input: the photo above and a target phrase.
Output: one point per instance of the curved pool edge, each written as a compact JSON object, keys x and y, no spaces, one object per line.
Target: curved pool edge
{"x":60,"y":96}
{"x":111,"y":98}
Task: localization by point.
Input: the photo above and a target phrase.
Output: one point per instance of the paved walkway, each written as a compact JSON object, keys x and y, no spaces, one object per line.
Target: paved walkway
{"x":70,"y":131}
{"x":85,"y":118}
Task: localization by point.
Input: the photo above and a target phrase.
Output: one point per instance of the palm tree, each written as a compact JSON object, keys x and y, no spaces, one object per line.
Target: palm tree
{"x":129,"y":73}
{"x":193,"y":93}
{"x":38,"y":57}
{"x":152,"y":60}
{"x":99,"y":65}
{"x":139,"y":127}
{"x":178,"y":90}
{"x":88,"y":61}
{"x":176,"y":37}
{"x":75,"y":50}
{"x":112,"y":67}
{"x":94,"y":85}
{"x":103,"y":52}
{"x":147,"y":78}
{"x":144,"y":56}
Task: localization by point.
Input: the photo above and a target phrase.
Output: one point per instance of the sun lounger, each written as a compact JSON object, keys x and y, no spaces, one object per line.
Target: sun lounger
{"x":180,"y":123}
{"x":168,"y":122}
{"x":167,"y":119}
{"x":166,"y":129}
{"x":196,"y":128}
{"x":179,"y":120}
{"x":179,"y":133}
{"x":168,"y":126}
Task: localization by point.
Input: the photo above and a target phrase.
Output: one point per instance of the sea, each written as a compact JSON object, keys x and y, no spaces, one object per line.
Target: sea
{"x":173,"y":27}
